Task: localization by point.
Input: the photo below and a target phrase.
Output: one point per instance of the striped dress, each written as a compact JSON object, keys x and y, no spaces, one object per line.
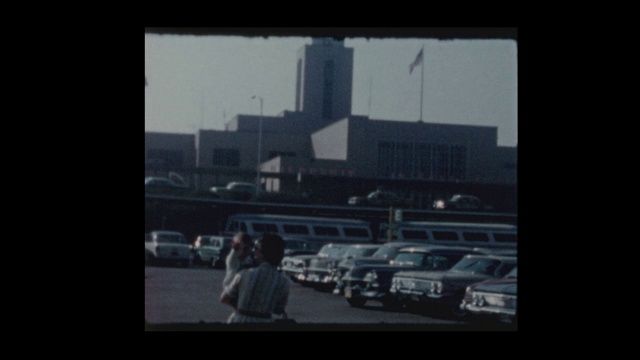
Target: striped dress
{"x":262,"y":289}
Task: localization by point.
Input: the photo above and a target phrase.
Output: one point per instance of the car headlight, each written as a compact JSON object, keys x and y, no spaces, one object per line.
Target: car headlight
{"x":436,"y":287}
{"x":477,"y":299}
{"x":370,"y":276}
{"x":371,"y":279}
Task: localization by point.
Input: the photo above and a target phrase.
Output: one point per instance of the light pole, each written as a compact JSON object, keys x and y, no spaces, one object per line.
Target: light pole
{"x":259,"y":145}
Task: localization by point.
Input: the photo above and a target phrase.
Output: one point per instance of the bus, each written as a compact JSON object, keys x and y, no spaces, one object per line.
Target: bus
{"x":451,"y":233}
{"x":317,"y":229}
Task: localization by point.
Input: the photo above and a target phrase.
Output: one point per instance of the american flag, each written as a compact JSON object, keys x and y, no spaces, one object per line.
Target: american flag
{"x":416,"y":62}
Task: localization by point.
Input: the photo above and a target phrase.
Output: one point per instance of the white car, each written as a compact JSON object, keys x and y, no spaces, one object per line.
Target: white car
{"x":167,"y":246}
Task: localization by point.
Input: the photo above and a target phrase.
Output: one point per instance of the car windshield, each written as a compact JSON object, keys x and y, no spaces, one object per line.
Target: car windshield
{"x":327,"y":250}
{"x":410,"y":258}
{"x":358,"y":252}
{"x":171,"y":238}
{"x":513,"y":274}
{"x":477,"y":265}
{"x":385,"y":252}
{"x":334,"y":251}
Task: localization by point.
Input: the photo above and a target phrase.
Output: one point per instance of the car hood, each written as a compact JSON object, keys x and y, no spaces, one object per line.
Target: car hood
{"x":323,"y":262}
{"x":358,"y":272}
{"x":349,"y":263}
{"x":500,"y":286}
{"x":445,"y":276}
{"x":174,"y":246}
{"x":299,"y":259}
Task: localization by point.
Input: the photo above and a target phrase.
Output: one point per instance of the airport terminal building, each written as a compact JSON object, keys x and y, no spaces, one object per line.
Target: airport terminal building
{"x":323,"y":141}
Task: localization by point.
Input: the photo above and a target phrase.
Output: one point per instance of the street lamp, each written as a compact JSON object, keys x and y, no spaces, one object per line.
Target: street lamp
{"x":259,"y":145}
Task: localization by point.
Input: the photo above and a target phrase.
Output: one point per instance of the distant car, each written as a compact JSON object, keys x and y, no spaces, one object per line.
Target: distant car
{"x":161,"y":184}
{"x":448,"y":287}
{"x":321,"y":271}
{"x":165,"y":247}
{"x":380,"y":198}
{"x":211,"y":250}
{"x":493,"y":299}
{"x":373,"y":281}
{"x":295,"y":246}
{"x":235,"y":191}
{"x":461,"y":202}
{"x":296,"y":266}
{"x":384,"y":255}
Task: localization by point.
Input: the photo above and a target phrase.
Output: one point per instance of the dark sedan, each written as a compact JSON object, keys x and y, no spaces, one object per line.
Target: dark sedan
{"x":320,"y":273}
{"x":448,"y":287}
{"x":384,"y":255}
{"x":296,"y":266}
{"x":373,"y":281}
{"x":493,"y":299}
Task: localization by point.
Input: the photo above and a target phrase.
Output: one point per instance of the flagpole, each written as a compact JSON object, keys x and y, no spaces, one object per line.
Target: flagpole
{"x":422,"y":86}
{"x":370,"y":82}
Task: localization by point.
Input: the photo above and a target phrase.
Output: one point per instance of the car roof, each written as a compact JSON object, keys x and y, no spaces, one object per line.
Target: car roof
{"x":401,"y":244}
{"x":149,"y":178}
{"x":429,"y":248}
{"x":165,"y":232}
{"x":499,"y":257}
{"x":366,"y":246}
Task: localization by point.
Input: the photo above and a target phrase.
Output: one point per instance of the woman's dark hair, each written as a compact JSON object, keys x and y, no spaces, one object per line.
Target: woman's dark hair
{"x":272,"y":248}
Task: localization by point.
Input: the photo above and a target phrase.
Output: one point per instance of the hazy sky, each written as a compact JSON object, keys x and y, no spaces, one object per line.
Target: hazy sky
{"x":204,"y":81}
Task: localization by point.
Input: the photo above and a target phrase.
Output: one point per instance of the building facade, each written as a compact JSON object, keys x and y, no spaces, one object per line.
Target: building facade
{"x":322,"y":138}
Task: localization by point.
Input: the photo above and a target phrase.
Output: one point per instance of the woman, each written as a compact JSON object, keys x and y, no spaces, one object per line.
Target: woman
{"x":258,"y":292}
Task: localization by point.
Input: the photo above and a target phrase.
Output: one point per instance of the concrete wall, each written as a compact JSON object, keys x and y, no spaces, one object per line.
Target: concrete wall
{"x":331,"y":143}
{"x":184,"y":143}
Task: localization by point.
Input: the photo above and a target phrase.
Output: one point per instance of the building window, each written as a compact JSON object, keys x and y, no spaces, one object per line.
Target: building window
{"x":299,"y":85}
{"x":226,"y":157}
{"x":404,"y":161}
{"x":423,"y":160}
{"x":162,"y":158}
{"x":458,"y":162}
{"x":386,"y":153}
{"x":442,"y":161}
{"x":327,"y":90}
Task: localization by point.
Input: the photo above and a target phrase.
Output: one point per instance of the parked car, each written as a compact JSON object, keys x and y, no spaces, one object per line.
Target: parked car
{"x":296,"y":266}
{"x":461,"y":202}
{"x":167,"y":246}
{"x":161,"y":184}
{"x":373,"y":281}
{"x":321,"y":271}
{"x":211,"y":250}
{"x":235,"y":191}
{"x":384,"y":255}
{"x":296,"y":246}
{"x":380,"y":198}
{"x":448,"y":287}
{"x":493,"y":299}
